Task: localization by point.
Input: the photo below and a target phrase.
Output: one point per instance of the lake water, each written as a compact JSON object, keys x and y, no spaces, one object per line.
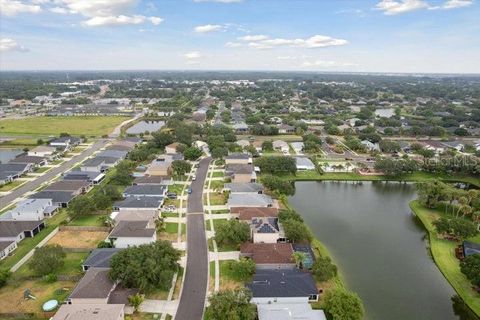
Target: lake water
{"x":144,"y":126}
{"x":8,"y":154}
{"x":379,"y":247}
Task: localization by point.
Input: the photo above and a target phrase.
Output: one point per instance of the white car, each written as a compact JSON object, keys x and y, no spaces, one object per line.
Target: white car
{"x":194,"y":177}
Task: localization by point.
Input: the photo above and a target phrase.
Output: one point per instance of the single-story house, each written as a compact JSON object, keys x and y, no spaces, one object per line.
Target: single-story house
{"x":76,"y":187}
{"x":135,"y":215}
{"x":99,"y":258}
{"x":249,"y":200}
{"x":152,"y":180}
{"x":249,"y":187}
{"x":19,"y":230}
{"x":202,"y":145}
{"x":297,"y":147}
{"x":241,"y":173}
{"x":118,"y":154}
{"x":470,"y":248}
{"x":247,"y":213}
{"x":60,"y":199}
{"x":281,"y":145}
{"x":370,"y":146}
{"x":28,"y":210}
{"x":94,"y":177}
{"x":434,"y":145}
{"x":65,"y":142}
{"x":266,"y":230}
{"x":159,"y":168}
{"x":240,"y":127}
{"x":455,"y":145}
{"x":94,"y":287}
{"x":269,"y":255}
{"x":285,"y":129}
{"x":283,"y":286}
{"x":304,"y":163}
{"x":138,"y":203}
{"x":145,"y":191}
{"x":119,"y":147}
{"x":42,"y":151}
{"x":7,"y":247}
{"x":172,"y":148}
{"x":14,"y":170}
{"x":133,"y":233}
{"x":33,"y":160}
{"x":238,"y":158}
{"x":289,"y":311}
{"x":96,"y":164}
{"x":90,"y":311}
{"x":243,"y":143}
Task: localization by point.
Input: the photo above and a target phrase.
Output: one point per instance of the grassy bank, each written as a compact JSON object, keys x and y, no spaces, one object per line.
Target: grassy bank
{"x":311,"y":175}
{"x":78,"y":125}
{"x":443,"y":252}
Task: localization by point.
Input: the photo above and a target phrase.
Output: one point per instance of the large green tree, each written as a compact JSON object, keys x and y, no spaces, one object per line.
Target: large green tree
{"x":323,"y":269}
{"x":296,"y":231}
{"x":471,"y":268}
{"x":232,"y":305}
{"x":47,"y":260}
{"x":343,"y":305}
{"x":181,"y":167}
{"x":232,"y":232}
{"x":146,"y":266}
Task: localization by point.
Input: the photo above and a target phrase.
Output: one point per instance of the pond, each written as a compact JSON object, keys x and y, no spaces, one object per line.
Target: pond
{"x":378,"y":246}
{"x":8,"y":154}
{"x":144,"y":126}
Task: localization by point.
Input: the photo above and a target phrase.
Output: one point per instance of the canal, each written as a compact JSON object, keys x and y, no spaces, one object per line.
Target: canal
{"x":378,"y":246}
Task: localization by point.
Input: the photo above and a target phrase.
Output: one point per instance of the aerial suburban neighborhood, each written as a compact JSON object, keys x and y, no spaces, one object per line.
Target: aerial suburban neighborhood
{"x":239,"y":160}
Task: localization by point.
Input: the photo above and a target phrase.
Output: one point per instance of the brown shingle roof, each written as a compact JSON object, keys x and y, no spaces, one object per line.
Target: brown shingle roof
{"x":95,"y":284}
{"x":265,"y":253}
{"x":245,"y":213}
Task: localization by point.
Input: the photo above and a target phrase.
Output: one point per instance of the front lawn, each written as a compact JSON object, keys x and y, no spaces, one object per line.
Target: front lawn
{"x":177,"y":188}
{"x":218,"y":174}
{"x":227,"y":277}
{"x":12,"y":185}
{"x":217,"y":199}
{"x":93,"y":220}
{"x":443,"y":252}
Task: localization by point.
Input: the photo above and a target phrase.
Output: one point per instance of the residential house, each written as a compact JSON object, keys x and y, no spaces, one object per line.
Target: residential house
{"x":470,"y":248}
{"x":14,"y":170}
{"x":243,"y":143}
{"x":202,"y":145}
{"x":59,"y":199}
{"x":99,"y":258}
{"x":18,"y":230}
{"x":95,"y":177}
{"x":269,"y":255}
{"x":434,"y":145}
{"x":370,"y":146}
{"x":455,"y":145}
{"x":238,"y":158}
{"x":95,"y":287}
{"x":76,"y":187}
{"x":7,"y":247}
{"x":135,"y":215}
{"x":297,"y":147}
{"x":283,"y":286}
{"x":249,"y":187}
{"x":289,"y":311}
{"x":240,"y":127}
{"x":112,"y":153}
{"x":247,"y":213}
{"x":43,"y":151}
{"x":153,"y":180}
{"x":304,"y":163}
{"x":249,"y":200}
{"x":241,"y":173}
{"x":285,"y":129}
{"x":138,"y":203}
{"x":28,"y":210}
{"x":145,"y":191}
{"x":172,"y":148}
{"x":34,"y":161}
{"x":159,"y":168}
{"x":89,"y":311}
{"x":96,"y":164}
{"x":281,"y":146}
{"x":266,"y":230}
{"x":65,"y":143}
{"x":133,"y":233}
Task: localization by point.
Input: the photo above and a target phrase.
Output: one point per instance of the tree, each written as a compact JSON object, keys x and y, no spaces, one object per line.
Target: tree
{"x":243,"y":269}
{"x":232,"y":232}
{"x":81,"y":205}
{"x":431,"y":192}
{"x":192,"y":153}
{"x":343,"y":305}
{"x":232,"y":305}
{"x":471,"y":268}
{"x":323,"y":269}
{"x":296,"y":231}
{"x":181,"y":167}
{"x":219,"y":152}
{"x":299,"y":258}
{"x":146,"y":266}
{"x":278,"y":185}
{"x":289,"y":214}
{"x":276,"y":164}
{"x":162,"y":139}
{"x":47,"y":259}
{"x":122,"y":174}
{"x":40,"y":141}
{"x":267,"y":145}
{"x":4,"y":275}
{"x":136,"y":300}
{"x":459,"y":227}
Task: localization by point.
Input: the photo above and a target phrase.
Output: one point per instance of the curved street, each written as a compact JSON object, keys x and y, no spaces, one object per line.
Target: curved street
{"x":192,"y":299}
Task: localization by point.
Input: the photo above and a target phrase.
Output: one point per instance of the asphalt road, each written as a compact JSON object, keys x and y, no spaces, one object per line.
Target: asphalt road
{"x":51,"y":174}
{"x":192,"y":300}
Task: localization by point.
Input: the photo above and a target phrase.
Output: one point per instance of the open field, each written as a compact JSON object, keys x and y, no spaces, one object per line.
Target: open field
{"x":443,"y":252}
{"x":78,"y":238}
{"x":89,"y":125}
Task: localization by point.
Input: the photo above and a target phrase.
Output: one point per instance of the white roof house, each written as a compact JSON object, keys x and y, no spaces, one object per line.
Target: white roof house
{"x":28,"y":210}
{"x":289,"y":311}
{"x":303,"y":163}
{"x":281,"y":146}
{"x":249,"y":200}
{"x":297,"y":147}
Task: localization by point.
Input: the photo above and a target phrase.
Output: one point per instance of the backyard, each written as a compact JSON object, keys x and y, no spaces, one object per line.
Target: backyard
{"x":78,"y":238}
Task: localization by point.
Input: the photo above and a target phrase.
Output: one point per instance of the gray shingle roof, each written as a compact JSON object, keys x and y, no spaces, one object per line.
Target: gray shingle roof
{"x":100,"y":258}
{"x":56,"y":196}
{"x":68,"y":185}
{"x":249,"y":199}
{"x":282,"y":283}
{"x":150,"y":190}
{"x":238,"y":156}
{"x":95,"y":284}
{"x":244,"y":187}
{"x":14,"y":228}
{"x":139,"y":202}
{"x":132,"y":229}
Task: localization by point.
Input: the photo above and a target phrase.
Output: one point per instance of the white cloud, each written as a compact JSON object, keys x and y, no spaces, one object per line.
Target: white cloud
{"x":257,"y":37}
{"x":94,"y":8}
{"x":325,"y":64}
{"x":13,"y":7}
{"x":219,"y":1}
{"x":119,"y":20}
{"x":393,"y":7}
{"x":208,"y":28}
{"x":452,"y":4}
{"x":192,"y":57}
{"x":316,"y":41}
{"x":231,"y":44}
{"x":59,"y":10}
{"x":8,"y":44}
{"x":286,"y":58}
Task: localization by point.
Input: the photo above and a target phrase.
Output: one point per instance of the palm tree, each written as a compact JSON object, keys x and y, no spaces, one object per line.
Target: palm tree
{"x":136,"y":300}
{"x":299,"y":258}
{"x":159,"y":224}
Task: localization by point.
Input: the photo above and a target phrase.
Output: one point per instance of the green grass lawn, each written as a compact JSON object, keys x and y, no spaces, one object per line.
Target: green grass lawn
{"x":72,"y":266}
{"x":12,"y":185}
{"x":217,"y":199}
{"x":216,"y":185}
{"x":172,"y":227}
{"x":42,"y":169}
{"x":88,"y":220}
{"x":218,"y":174}
{"x":88,"y":125}
{"x":22,"y":142}
{"x":29,"y":243}
{"x":177,"y":188}
{"x":443,"y":252}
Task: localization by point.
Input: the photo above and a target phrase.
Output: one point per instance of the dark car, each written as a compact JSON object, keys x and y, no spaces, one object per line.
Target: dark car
{"x":189,"y":190}
{"x":172,"y":195}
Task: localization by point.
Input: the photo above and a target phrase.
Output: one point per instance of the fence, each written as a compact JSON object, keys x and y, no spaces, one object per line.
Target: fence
{"x":84,"y":228}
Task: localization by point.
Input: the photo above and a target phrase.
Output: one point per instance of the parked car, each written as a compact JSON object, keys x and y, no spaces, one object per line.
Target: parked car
{"x":189,"y":190}
{"x":194,"y":177}
{"x":172,"y":195}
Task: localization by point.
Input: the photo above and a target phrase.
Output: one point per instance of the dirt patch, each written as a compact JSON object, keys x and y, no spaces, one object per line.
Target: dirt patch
{"x":229,"y":284}
{"x":78,"y":239}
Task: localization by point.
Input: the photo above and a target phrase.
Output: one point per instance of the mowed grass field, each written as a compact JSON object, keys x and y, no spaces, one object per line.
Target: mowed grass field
{"x":78,"y":125}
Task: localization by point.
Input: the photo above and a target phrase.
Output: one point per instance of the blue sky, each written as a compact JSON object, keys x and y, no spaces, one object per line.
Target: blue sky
{"x":438,"y":36}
